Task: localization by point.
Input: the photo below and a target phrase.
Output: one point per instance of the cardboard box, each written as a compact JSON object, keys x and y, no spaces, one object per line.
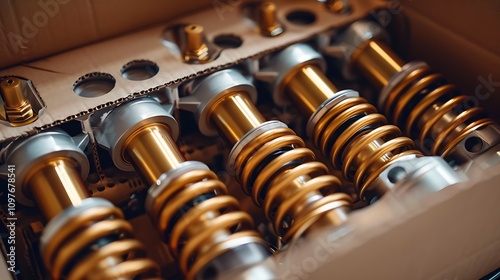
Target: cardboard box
{"x":454,"y":234}
{"x":31,"y":30}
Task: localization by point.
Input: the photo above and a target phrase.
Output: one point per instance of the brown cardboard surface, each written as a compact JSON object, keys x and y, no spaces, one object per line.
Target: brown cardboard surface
{"x":54,"y":77}
{"x":460,"y":40}
{"x":33,"y":29}
{"x":475,"y":21}
{"x":4,"y":273}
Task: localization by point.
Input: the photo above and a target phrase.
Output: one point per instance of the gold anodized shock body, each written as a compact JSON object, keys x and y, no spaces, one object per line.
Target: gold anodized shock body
{"x":234,"y":116}
{"x":309,"y":88}
{"x":350,"y":132}
{"x":209,"y":228}
{"x":277,"y":170}
{"x":66,"y":186}
{"x":152,"y":151}
{"x":55,"y":185}
{"x":377,"y":62}
{"x":422,"y":103}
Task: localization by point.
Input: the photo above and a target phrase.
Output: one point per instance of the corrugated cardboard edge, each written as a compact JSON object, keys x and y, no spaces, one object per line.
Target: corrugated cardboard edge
{"x":54,"y":76}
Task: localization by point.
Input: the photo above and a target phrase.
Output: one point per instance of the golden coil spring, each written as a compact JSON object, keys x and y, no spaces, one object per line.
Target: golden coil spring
{"x":82,"y":249}
{"x":423,"y":92}
{"x":359,"y":141}
{"x":289,"y":178}
{"x":195,"y":236}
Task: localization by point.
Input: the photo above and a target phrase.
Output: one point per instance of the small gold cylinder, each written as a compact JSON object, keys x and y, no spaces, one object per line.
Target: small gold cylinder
{"x":337,"y":6}
{"x":12,"y":93}
{"x":18,"y":110}
{"x":309,"y":88}
{"x":152,"y":151}
{"x":234,"y":116}
{"x":377,"y":62}
{"x":56,"y":185}
{"x":267,"y":11}
{"x":268,"y":22}
{"x":194,"y":37}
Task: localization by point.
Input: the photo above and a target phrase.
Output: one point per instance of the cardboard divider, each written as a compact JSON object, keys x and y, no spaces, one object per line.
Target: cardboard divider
{"x":54,"y":77}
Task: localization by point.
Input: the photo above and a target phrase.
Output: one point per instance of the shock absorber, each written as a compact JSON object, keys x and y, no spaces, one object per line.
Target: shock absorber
{"x":421,"y":102}
{"x":345,"y":127}
{"x":199,"y":221}
{"x":85,"y":238}
{"x":269,"y":160}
